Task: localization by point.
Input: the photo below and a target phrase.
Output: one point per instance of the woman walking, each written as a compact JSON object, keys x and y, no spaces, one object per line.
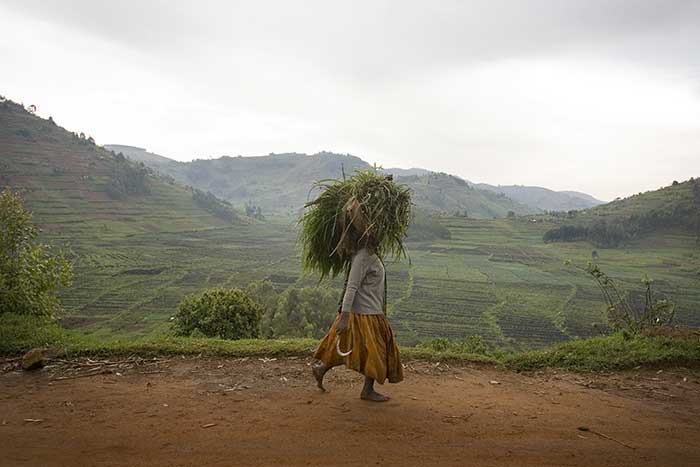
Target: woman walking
{"x":362,"y":326}
{"x":347,"y":229}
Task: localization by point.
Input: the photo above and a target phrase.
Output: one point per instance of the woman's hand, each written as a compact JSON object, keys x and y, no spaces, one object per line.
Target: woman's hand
{"x":342,"y":326}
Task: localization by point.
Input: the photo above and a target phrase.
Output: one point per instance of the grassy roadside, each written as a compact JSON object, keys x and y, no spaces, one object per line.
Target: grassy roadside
{"x":606,"y":353}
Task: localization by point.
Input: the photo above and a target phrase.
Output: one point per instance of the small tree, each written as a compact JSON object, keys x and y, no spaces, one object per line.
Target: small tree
{"x":30,"y":276}
{"x":224,"y":313}
{"x":624,"y":314}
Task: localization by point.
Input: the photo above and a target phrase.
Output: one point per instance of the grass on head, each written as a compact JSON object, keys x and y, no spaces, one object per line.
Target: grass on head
{"x":385,"y":206}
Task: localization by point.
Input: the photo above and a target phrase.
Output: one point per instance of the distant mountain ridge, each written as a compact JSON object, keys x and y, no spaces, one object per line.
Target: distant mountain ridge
{"x":139,"y":154}
{"x":283,"y":183}
{"x":544,"y":198}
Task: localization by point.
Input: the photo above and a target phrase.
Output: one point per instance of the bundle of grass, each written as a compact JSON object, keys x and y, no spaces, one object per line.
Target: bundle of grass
{"x":366,"y":209}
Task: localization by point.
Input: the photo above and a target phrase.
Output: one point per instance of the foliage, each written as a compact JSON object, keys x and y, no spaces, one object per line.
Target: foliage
{"x":606,"y":353}
{"x":218,"y":207}
{"x":30,"y":275}
{"x":610,"y":225}
{"x":127,"y":178}
{"x":468,"y":345}
{"x":223,"y":313}
{"x":328,"y":236}
{"x":624,"y":314}
{"x":566,"y":233}
{"x":424,"y":227}
{"x":19,"y":333}
{"x":254,"y":211}
{"x":295,"y":312}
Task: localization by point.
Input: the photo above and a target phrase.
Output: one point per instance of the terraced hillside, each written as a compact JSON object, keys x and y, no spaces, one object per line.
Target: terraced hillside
{"x":120,"y":242}
{"x":498,"y":279}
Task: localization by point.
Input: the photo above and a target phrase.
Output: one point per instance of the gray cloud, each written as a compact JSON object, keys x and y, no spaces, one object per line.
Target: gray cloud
{"x":467,"y":87}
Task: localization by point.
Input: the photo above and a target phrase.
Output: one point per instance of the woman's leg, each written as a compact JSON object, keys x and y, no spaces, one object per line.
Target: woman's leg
{"x":320,"y":369}
{"x":369,"y":394}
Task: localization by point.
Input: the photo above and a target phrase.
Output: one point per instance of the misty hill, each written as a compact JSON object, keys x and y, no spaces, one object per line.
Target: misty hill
{"x":407,"y":172}
{"x":281,"y":183}
{"x":74,"y":186}
{"x":673,"y":207}
{"x":676,"y":205}
{"x":544,"y":198}
{"x":138,"y":154}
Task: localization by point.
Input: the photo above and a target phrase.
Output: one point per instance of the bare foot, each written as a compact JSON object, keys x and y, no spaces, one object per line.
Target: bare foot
{"x":319,"y":372}
{"x":373,"y":396}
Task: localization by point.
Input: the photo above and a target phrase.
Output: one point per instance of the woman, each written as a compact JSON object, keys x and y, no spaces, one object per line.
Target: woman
{"x":362,"y":327}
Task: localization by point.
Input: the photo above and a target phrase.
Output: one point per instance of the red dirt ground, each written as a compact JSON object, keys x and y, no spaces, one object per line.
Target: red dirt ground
{"x":223,"y":412}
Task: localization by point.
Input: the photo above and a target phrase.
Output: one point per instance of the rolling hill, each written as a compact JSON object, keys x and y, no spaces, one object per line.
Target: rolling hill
{"x":276,"y":183}
{"x":645,"y":214}
{"x":73,"y":186}
{"x":281,"y":183}
{"x":544,"y":198}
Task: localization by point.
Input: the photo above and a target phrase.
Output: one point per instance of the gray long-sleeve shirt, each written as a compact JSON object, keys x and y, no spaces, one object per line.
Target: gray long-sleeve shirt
{"x":365,"y":291}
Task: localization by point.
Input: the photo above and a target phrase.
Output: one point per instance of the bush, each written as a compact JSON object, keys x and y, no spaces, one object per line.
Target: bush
{"x":628,"y":316}
{"x":30,"y":276}
{"x":223,"y":313}
{"x":295,"y":312}
{"x":468,"y":345}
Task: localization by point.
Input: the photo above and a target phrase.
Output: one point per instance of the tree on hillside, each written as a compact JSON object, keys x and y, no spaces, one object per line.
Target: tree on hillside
{"x":30,"y":276}
{"x":696,"y":203}
{"x":127,"y":178}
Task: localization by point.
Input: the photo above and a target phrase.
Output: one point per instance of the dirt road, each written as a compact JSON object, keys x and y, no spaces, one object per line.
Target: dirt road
{"x":214,"y":412}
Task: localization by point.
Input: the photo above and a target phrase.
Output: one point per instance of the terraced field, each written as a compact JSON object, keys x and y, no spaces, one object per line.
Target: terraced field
{"x":499,"y":280}
{"x":478,"y":283}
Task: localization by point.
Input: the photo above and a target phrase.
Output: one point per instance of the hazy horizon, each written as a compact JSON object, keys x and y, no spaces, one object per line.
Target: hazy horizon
{"x":601,"y":97}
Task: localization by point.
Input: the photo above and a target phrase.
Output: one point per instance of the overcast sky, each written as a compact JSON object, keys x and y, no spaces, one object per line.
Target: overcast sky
{"x":597,"y":96}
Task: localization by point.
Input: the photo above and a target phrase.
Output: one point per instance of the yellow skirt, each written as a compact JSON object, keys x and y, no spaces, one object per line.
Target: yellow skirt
{"x":374,"y":350}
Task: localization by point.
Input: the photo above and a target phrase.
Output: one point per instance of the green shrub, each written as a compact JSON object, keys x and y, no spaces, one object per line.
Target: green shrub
{"x":468,"y":345}
{"x":30,"y":276}
{"x":19,"y":333}
{"x":223,"y":313}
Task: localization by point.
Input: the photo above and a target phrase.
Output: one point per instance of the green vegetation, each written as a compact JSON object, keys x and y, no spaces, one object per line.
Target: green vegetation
{"x":608,"y":353}
{"x":426,"y":227}
{"x":624,"y":313}
{"x":20,"y":333}
{"x":280,"y":183}
{"x":127,"y":178}
{"x":543,"y":198}
{"x":30,"y":275}
{"x":218,"y":207}
{"x":366,"y":207}
{"x":301,"y":312}
{"x":610,"y":225}
{"x":222,"y":313}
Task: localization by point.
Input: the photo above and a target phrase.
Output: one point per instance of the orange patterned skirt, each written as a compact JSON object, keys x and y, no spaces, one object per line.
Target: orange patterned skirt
{"x":374,"y":350}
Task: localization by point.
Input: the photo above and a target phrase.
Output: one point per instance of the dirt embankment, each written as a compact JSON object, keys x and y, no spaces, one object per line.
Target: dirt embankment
{"x":218,"y":412}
